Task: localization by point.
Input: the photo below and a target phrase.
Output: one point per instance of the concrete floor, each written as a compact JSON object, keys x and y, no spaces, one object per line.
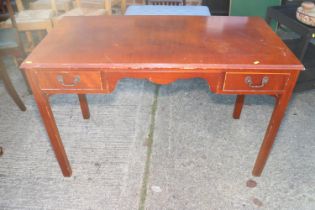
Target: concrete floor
{"x":202,"y":158}
{"x":147,"y":147}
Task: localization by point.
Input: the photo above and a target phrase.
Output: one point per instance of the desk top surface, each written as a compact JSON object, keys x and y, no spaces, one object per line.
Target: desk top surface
{"x":184,"y":42}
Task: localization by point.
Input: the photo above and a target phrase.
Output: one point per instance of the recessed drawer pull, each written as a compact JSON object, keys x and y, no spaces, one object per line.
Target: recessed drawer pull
{"x":76,"y":80}
{"x":249,"y":82}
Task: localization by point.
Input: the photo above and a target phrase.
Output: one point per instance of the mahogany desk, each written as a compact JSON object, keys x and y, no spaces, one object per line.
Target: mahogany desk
{"x":235,"y":55}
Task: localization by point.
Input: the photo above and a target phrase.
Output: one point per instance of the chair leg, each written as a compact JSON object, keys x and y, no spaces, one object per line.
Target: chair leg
{"x":29,"y":90}
{"x":30,"y":40}
{"x":108,"y":7}
{"x":84,"y":106}
{"x":9,"y":87}
{"x":40,"y":34}
{"x":24,"y":76}
{"x":123,"y":6}
{"x":238,"y":106}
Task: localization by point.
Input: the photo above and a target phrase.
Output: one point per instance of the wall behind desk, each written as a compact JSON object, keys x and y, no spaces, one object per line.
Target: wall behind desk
{"x":251,"y":7}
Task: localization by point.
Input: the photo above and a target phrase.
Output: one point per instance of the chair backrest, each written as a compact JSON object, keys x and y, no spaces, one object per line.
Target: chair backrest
{"x":20,"y":5}
{"x":2,"y":9}
{"x":166,"y":2}
{"x":95,"y":4}
{"x":167,"y":10}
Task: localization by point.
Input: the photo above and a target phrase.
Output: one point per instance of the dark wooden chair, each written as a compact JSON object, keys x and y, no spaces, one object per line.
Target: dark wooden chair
{"x":166,"y":2}
{"x":2,"y":10}
{"x":10,"y":45}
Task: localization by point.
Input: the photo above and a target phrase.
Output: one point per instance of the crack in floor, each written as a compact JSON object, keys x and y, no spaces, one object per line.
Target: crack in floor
{"x":149,"y":142}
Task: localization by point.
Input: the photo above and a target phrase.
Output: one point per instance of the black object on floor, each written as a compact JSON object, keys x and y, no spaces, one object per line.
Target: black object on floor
{"x":307,"y":78}
{"x":220,"y":8}
{"x":303,"y":49}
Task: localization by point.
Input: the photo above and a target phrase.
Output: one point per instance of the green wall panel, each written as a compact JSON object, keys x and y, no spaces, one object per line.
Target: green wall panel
{"x":251,"y":7}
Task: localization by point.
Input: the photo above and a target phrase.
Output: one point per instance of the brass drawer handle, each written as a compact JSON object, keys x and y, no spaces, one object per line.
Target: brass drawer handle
{"x":249,"y":82}
{"x":76,"y":80}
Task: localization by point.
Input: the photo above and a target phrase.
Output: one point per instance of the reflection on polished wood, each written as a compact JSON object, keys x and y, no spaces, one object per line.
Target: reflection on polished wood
{"x":235,"y":55}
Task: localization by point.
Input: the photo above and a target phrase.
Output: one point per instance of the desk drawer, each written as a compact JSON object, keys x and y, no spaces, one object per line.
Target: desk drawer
{"x":69,"y":80}
{"x":273,"y":82}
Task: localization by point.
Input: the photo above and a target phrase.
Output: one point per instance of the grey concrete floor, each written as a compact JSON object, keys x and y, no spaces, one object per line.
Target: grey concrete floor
{"x":107,"y":152}
{"x":202,"y":158}
{"x":179,"y":149}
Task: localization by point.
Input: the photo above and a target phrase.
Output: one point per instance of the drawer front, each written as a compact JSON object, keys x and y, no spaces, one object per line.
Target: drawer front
{"x":273,"y":82}
{"x":69,"y":80}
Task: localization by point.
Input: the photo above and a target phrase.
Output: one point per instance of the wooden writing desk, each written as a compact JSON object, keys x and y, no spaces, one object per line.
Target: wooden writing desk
{"x":235,"y":55}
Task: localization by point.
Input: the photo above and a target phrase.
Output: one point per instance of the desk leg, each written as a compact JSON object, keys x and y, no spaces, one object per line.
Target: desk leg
{"x":84,"y":106}
{"x":238,"y":106}
{"x":44,"y":108}
{"x":274,"y":124}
